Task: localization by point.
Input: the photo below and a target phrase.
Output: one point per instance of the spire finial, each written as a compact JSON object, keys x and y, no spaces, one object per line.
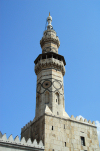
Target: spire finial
{"x":49,"y":19}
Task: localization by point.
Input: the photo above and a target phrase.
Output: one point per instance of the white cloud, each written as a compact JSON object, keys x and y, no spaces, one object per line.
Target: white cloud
{"x":97,"y":123}
{"x":80,"y":116}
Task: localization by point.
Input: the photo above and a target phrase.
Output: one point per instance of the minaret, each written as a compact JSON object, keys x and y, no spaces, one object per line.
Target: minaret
{"x":52,"y":124}
{"x":49,"y":68}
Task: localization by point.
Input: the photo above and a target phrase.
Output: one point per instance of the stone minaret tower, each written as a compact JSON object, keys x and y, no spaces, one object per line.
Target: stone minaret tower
{"x":52,"y":124}
{"x":49,"y":68}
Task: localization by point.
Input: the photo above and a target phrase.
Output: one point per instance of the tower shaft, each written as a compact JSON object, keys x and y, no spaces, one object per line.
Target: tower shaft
{"x":49,"y":68}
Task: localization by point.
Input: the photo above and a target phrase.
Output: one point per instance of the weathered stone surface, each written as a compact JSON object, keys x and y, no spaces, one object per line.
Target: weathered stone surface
{"x":17,"y":145}
{"x":57,"y":131}
{"x":52,"y":124}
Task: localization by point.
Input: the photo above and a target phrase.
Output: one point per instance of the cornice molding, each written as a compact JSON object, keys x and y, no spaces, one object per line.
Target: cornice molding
{"x":50,"y":36}
{"x":50,"y":63}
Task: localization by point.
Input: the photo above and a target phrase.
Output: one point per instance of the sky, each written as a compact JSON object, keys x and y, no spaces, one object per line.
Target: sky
{"x":77,"y":24}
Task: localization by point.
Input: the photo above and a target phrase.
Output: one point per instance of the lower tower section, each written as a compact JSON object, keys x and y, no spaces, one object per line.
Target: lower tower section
{"x":34,"y":130}
{"x":62,"y":134}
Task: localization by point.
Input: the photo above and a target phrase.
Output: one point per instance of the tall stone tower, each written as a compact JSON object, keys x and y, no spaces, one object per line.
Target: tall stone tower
{"x":52,"y":124}
{"x":49,"y":68}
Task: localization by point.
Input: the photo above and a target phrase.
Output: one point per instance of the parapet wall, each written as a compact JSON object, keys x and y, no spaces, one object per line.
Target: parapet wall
{"x":27,"y":125}
{"x":72,"y":118}
{"x":19,"y":144}
{"x":83,"y":121}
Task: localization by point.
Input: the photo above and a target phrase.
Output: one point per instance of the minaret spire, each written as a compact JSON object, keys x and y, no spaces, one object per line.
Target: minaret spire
{"x":49,"y":20}
{"x":50,"y":41}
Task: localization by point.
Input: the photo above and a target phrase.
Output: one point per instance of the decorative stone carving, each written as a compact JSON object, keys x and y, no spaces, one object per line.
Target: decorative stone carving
{"x":46,"y":84}
{"x":50,"y":37}
{"x":47,"y":63}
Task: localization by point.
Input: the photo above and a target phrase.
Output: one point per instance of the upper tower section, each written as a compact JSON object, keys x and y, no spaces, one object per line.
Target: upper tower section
{"x":50,"y":41}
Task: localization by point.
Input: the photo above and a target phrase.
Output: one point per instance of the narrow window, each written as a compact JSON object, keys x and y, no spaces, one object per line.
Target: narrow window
{"x":52,"y":149}
{"x":64,"y":126}
{"x":82,"y":141}
{"x":52,"y":127}
{"x":47,"y":96}
{"x":57,"y":113}
{"x":57,"y":97}
{"x":65,"y":144}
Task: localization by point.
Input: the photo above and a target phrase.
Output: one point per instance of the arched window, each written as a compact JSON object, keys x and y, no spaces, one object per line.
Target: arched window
{"x":57,"y":98}
{"x":46,"y":97}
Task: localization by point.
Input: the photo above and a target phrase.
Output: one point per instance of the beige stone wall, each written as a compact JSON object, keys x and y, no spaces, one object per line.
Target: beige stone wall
{"x":52,"y":96}
{"x":55,"y":131}
{"x":49,"y":47}
{"x":69,"y":131}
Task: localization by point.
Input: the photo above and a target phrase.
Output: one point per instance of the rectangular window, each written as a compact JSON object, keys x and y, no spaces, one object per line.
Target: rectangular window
{"x":65,"y":144}
{"x":82,"y":141}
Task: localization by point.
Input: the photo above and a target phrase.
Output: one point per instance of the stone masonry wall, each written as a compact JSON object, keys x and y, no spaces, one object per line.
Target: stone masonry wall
{"x":65,"y":135}
{"x":11,"y":144}
{"x":35,"y":130}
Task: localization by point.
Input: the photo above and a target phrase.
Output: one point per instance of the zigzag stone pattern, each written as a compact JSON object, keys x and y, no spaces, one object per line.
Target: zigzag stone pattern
{"x":83,"y":121}
{"x":10,"y":144}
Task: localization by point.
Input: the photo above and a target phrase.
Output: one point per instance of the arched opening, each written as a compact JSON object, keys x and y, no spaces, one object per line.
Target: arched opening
{"x":57,"y":98}
{"x":46,"y":97}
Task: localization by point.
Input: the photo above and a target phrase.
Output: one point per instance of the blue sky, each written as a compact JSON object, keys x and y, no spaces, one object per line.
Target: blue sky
{"x":77,"y":24}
